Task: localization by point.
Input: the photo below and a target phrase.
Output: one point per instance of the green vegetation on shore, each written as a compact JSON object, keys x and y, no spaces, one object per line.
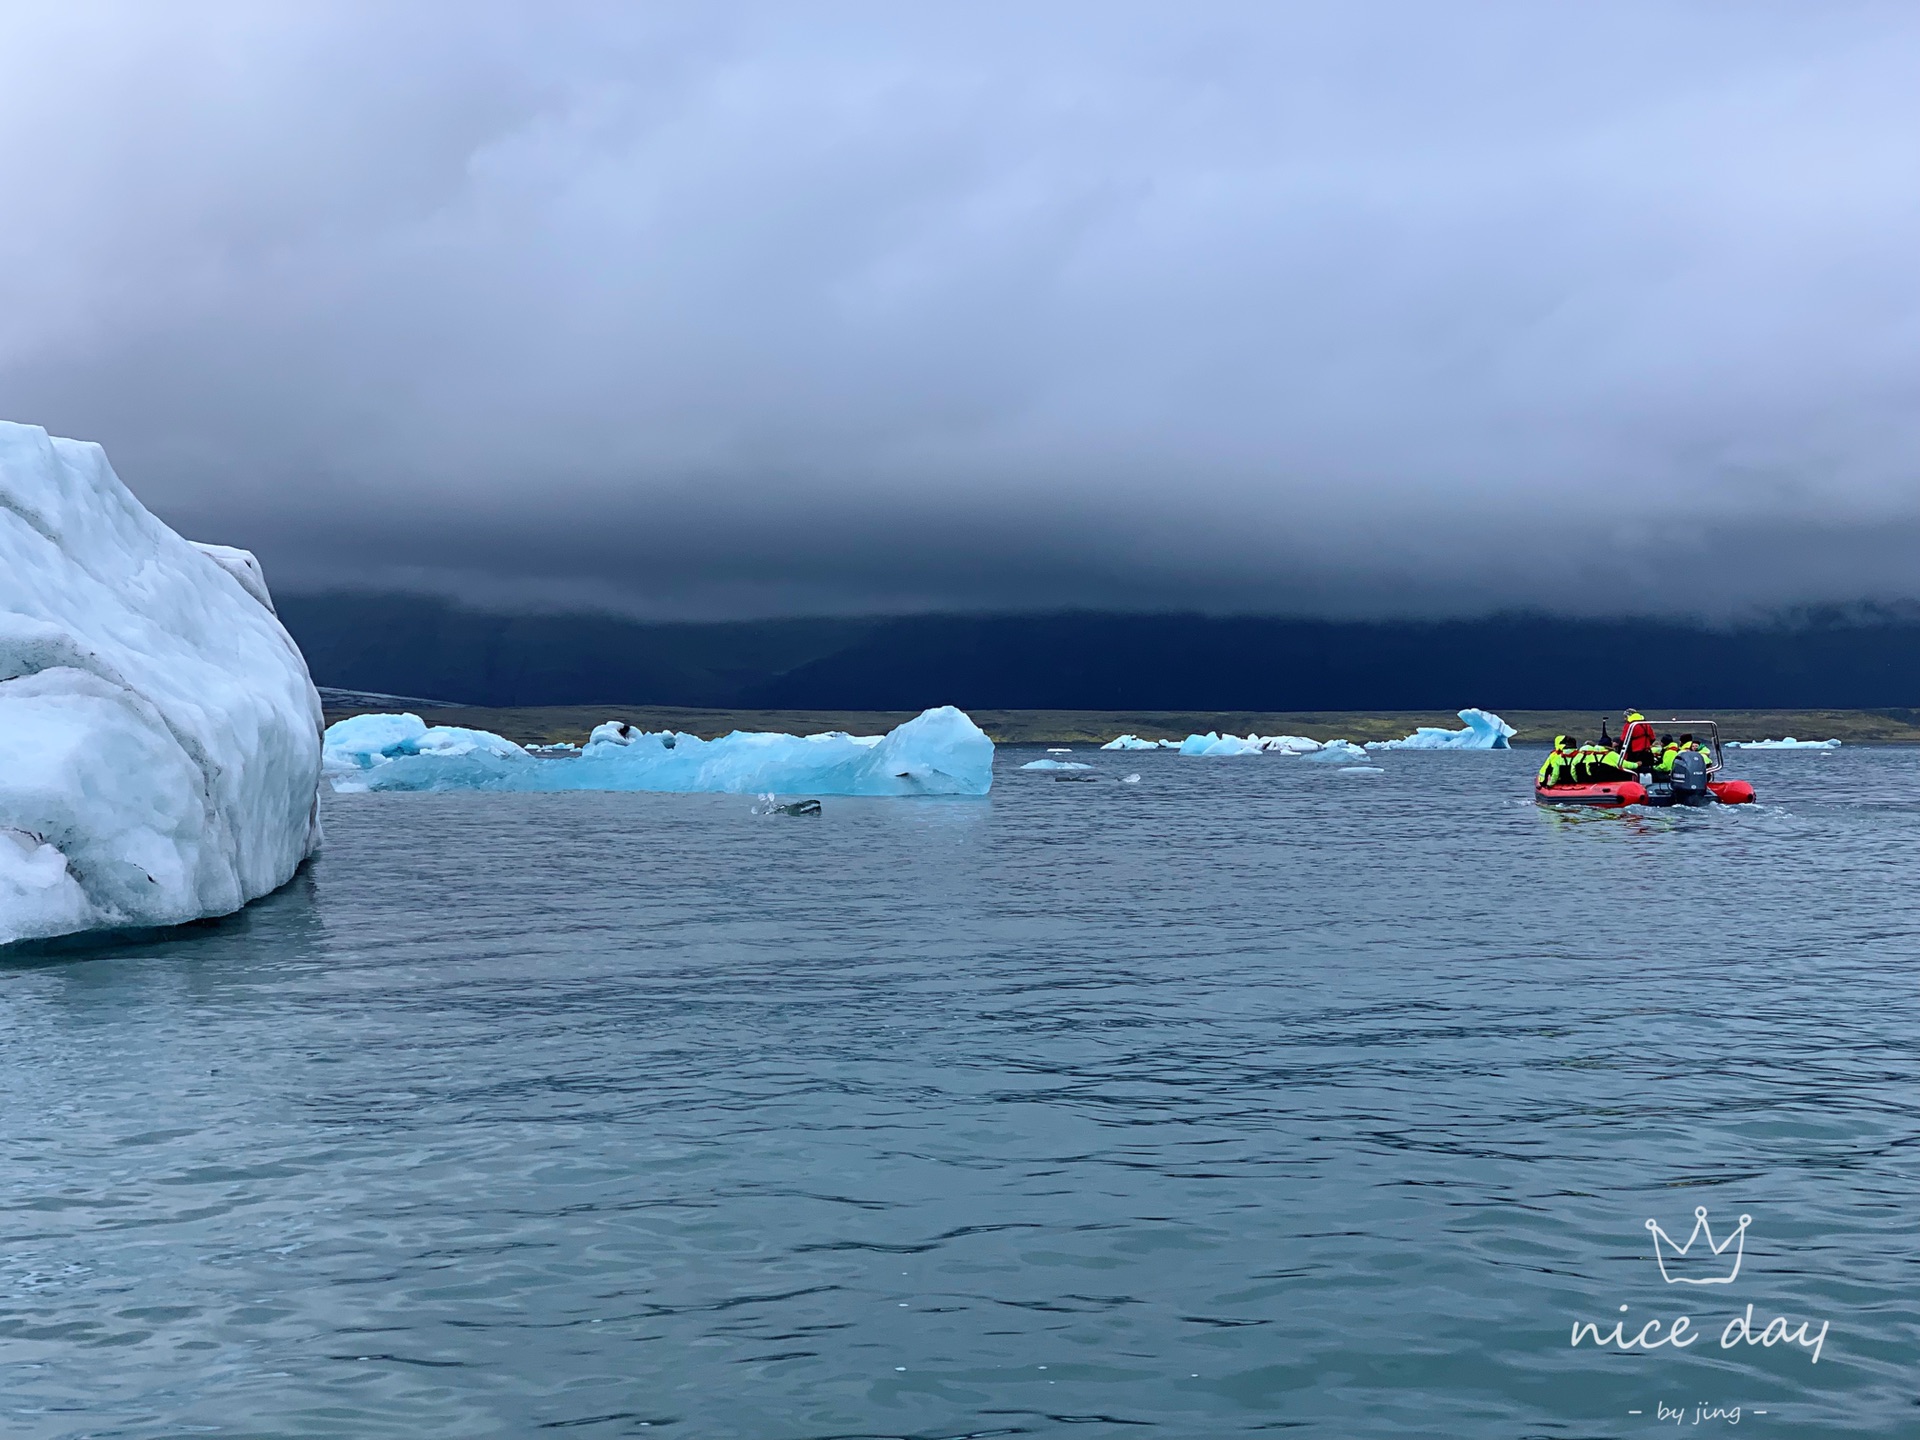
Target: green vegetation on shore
{"x":548,"y":724}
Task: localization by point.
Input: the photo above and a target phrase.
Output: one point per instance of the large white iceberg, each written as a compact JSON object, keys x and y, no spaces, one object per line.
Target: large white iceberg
{"x":940,"y":752}
{"x":1134,"y":742}
{"x":1484,"y":731}
{"x":159,"y":734}
{"x":1789,"y":743}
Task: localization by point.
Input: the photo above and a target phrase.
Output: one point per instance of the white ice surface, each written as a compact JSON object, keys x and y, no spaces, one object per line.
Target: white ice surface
{"x":1134,"y":742}
{"x":1789,"y":743}
{"x":1055,"y":765}
{"x":1484,"y":731}
{"x":940,"y":752}
{"x":159,"y":735}
{"x":1290,"y":744}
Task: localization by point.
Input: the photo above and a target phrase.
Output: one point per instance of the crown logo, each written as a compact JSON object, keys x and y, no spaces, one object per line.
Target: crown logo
{"x":1667,"y":1254}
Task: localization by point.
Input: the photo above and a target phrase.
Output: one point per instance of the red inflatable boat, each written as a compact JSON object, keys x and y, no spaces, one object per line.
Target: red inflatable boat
{"x":1696,"y":779}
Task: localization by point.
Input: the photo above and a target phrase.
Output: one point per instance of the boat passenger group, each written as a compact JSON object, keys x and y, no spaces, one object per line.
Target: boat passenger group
{"x":1638,"y":752}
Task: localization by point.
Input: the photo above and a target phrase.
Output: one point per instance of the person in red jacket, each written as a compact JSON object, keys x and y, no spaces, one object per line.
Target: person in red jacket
{"x":1639,"y":746}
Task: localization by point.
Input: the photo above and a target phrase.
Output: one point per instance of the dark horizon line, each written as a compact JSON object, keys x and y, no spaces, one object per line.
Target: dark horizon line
{"x":1807,"y":615}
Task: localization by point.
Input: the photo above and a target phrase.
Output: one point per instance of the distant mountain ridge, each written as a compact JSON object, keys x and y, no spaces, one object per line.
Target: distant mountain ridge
{"x":412,"y":645}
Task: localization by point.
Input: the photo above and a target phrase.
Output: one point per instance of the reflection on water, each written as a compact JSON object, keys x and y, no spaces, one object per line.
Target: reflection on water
{"x":1249,"y":1096}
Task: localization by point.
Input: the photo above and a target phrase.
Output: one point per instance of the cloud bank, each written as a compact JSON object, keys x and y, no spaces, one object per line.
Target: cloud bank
{"x":746,"y":310}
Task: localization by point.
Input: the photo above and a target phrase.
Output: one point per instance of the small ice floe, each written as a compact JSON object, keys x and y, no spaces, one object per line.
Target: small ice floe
{"x":772,"y":805}
{"x":1485,"y":731}
{"x":1294,"y":746}
{"x":1133,"y":779}
{"x":1363,"y":770}
{"x":1059,"y":750}
{"x":1789,"y":743}
{"x":1335,"y":750}
{"x":1055,"y":765}
{"x":1134,"y":742}
{"x":1213,"y":743}
{"x":1291,"y":745}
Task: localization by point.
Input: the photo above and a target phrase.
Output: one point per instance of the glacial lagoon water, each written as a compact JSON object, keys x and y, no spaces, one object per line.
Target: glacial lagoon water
{"x":1251,"y":1097}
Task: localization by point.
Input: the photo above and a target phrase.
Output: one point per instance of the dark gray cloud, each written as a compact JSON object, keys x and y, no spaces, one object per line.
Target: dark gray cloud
{"x":740,"y":310}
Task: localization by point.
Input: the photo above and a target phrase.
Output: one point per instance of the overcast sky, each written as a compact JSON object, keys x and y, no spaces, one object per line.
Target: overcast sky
{"x":711,"y":310}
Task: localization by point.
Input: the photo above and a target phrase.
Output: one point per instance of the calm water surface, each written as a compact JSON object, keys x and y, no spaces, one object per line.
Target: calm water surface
{"x":1253,"y":1096}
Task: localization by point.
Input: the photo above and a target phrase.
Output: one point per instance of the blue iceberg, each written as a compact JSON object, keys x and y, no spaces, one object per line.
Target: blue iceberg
{"x":1055,"y":765}
{"x":940,"y":752}
{"x":1212,"y":743}
{"x":1485,"y":731}
{"x":1787,"y":744}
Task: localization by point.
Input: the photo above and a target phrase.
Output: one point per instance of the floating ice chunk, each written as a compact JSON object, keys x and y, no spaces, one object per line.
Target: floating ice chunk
{"x":1484,"y":731}
{"x":1055,"y":765}
{"x":159,"y":734}
{"x":1789,"y":743}
{"x":611,"y":732}
{"x":1362,"y":770}
{"x":1287,"y":744}
{"x":940,"y":752}
{"x":1213,"y":743}
{"x":1335,"y":750}
{"x":1134,"y":742}
{"x":363,"y":741}
{"x":1130,"y":779}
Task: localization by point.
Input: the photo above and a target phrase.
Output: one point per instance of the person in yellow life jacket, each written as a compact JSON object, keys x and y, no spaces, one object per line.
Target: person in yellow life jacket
{"x":1610,"y":767}
{"x":1580,"y":763}
{"x":1589,"y":765}
{"x":1663,"y":758}
{"x":1557,"y":768}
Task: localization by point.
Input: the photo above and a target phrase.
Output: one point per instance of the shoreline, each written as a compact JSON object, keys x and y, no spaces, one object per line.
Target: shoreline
{"x":546,"y":724}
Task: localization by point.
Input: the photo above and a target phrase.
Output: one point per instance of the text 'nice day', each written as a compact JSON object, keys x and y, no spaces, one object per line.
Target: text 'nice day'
{"x":1681,"y":1334}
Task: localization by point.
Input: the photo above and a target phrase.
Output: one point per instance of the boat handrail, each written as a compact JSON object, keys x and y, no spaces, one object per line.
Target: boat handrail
{"x":1715,"y":760}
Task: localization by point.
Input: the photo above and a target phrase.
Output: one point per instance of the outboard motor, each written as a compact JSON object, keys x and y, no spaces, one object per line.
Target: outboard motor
{"x":1689,"y":777}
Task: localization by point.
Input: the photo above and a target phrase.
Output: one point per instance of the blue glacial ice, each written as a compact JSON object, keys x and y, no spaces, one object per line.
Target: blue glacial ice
{"x":1335,"y":750}
{"x":1055,"y":765}
{"x":1789,"y":743}
{"x":1484,"y":731}
{"x":1134,"y":742}
{"x":1212,"y":744}
{"x":940,"y":752}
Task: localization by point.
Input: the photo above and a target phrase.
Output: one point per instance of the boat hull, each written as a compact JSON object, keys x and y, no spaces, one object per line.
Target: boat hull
{"x":1616,"y":794}
{"x":1607,"y":794}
